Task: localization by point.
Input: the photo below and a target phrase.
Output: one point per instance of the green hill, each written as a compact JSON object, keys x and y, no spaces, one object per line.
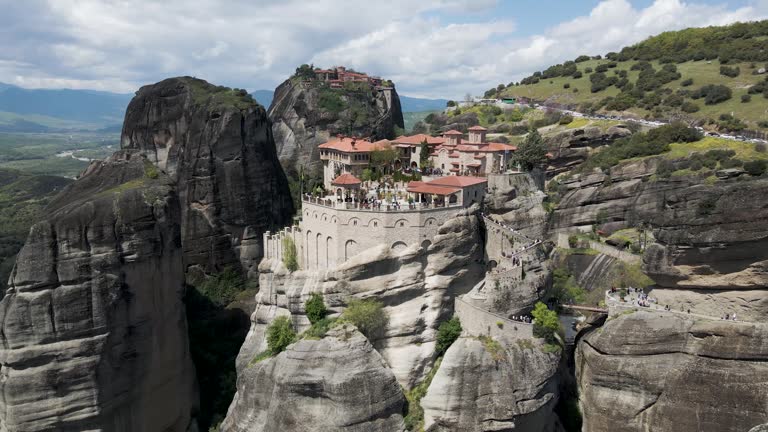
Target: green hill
{"x":702,"y":74}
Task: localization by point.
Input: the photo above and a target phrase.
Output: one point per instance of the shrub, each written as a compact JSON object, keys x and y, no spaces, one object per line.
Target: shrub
{"x":730,"y":71}
{"x":756,"y":167}
{"x":546,"y":324}
{"x":689,"y":107}
{"x":531,"y":152}
{"x":707,"y":206}
{"x":745,"y":98}
{"x":577,"y":75}
{"x":280,"y":334}
{"x":368,"y":316}
{"x":564,"y":120}
{"x":447,"y":334}
{"x":319,"y":328}
{"x":289,"y":255}
{"x":573,"y":241}
{"x":566,"y":86}
{"x":760,"y":147}
{"x":588,"y":70}
{"x":315,"y":308}
{"x":222,"y":288}
{"x":713,"y":94}
{"x":687,"y":82}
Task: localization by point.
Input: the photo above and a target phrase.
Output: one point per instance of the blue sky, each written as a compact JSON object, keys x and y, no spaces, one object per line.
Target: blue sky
{"x":430,"y":48}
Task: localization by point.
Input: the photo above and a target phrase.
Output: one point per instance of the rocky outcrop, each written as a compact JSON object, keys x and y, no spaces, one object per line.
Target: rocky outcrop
{"x":571,"y":147}
{"x":336,"y":383}
{"x":307,"y":114}
{"x":710,"y":251}
{"x":416,"y":287}
{"x":662,"y":371}
{"x":479,"y":389}
{"x":93,"y":326}
{"x":216,"y":144}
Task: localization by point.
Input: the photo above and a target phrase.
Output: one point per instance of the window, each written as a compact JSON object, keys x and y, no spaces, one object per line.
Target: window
{"x":442,"y":166}
{"x":375,"y":224}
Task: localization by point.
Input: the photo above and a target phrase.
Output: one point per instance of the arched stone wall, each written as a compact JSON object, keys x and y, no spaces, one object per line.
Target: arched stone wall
{"x":350,"y":249}
{"x":399,"y":246}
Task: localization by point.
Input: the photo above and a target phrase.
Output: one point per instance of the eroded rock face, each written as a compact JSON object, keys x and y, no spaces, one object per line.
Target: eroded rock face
{"x":217,"y":146}
{"x":476,"y":390}
{"x":301,"y":122}
{"x":573,"y":146}
{"x":337,"y":383}
{"x":660,"y":371}
{"x":93,"y":326}
{"x":416,"y":287}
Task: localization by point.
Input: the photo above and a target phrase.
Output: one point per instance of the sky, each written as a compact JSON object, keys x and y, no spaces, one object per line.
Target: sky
{"x":429,"y":48}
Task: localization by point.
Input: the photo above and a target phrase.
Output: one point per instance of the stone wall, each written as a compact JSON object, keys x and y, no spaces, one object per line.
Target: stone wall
{"x":479,"y":322}
{"x":330,"y":236}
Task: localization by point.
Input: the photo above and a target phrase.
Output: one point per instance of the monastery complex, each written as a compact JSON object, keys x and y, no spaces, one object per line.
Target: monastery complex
{"x":358,"y":215}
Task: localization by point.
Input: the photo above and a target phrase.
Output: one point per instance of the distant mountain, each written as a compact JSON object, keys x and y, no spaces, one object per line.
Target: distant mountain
{"x":264,"y":97}
{"x":43,"y":109}
{"x":412,"y":104}
{"x":409,"y":104}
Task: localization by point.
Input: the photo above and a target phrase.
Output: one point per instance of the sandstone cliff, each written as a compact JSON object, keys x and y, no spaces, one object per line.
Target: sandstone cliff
{"x":337,"y":383}
{"x":478,"y":389}
{"x":93,"y":326}
{"x":709,"y":254}
{"x":416,"y":286}
{"x":662,"y":371}
{"x":571,"y":147}
{"x":305,"y":115}
{"x":216,"y":144}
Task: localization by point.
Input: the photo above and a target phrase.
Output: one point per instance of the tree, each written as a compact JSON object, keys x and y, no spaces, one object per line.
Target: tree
{"x":383,"y":157}
{"x":531,"y":152}
{"x":756,"y":167}
{"x":315,"y":308}
{"x":289,"y":255}
{"x":368,"y":316}
{"x":305,"y":71}
{"x":546,"y":323}
{"x":424,"y":154}
{"x":447,"y":334}
{"x":280,"y":334}
{"x":450,"y":103}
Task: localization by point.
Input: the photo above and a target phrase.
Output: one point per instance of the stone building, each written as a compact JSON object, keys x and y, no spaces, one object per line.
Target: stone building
{"x":332,"y":231}
{"x":451,"y":154}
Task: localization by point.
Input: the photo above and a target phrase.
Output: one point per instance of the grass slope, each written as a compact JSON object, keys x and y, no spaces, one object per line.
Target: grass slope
{"x":702,"y":72}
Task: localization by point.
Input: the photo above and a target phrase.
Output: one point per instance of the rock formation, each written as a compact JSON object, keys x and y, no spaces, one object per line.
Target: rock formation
{"x":306,"y":114}
{"x":93,"y":326}
{"x":416,"y":286}
{"x":477,"y":390}
{"x":662,"y":371}
{"x":573,"y":146}
{"x":216,"y":144}
{"x":337,"y":383}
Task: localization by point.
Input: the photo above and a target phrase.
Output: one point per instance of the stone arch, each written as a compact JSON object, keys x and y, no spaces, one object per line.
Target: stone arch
{"x":325,"y":217}
{"x":430,"y":222}
{"x":425,"y":245}
{"x":330,"y":254}
{"x":339,"y":193}
{"x":334,"y":220}
{"x":414,"y":164}
{"x":314,"y":215}
{"x":354,"y":221}
{"x":350,"y":249}
{"x":453,"y":199}
{"x":318,"y":245}
{"x":401,"y":223}
{"x":306,"y":213}
{"x":374,"y":223}
{"x":492,"y":264}
{"x":399,"y":246}
{"x":307,"y":259}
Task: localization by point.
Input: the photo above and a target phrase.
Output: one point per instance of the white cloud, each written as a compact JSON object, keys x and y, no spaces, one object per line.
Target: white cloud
{"x":429,"y":47}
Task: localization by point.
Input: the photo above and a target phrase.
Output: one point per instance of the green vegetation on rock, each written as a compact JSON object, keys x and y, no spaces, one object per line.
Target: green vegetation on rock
{"x":315,"y":308}
{"x":414,"y":418}
{"x":290,"y":259}
{"x":546,"y":323}
{"x":368,"y":316}
{"x":280,"y":334}
{"x":447,"y":334}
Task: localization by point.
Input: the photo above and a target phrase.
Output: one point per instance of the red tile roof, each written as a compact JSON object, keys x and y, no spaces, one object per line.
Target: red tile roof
{"x":346,"y":179}
{"x":427,"y":188}
{"x":418,"y":139}
{"x":477,"y":128}
{"x":458,"y":181}
{"x":345,"y":145}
